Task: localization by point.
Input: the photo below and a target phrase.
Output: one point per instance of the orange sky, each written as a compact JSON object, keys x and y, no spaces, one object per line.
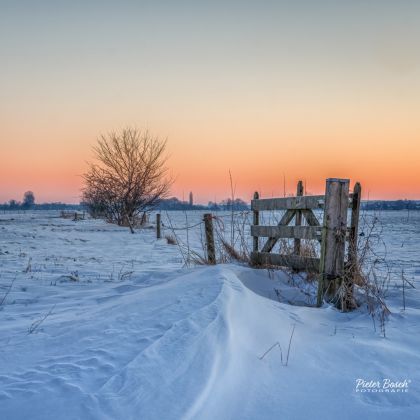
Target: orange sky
{"x":306,"y":93}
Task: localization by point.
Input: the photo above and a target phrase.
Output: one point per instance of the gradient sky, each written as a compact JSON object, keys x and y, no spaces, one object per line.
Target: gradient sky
{"x":308,"y":89}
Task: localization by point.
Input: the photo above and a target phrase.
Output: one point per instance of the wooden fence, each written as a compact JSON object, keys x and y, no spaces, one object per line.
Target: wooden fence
{"x":332,"y":235}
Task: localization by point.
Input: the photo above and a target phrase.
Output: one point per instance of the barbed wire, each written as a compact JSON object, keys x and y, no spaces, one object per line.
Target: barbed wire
{"x":213,"y":216}
{"x":183,"y":227}
{"x":241,"y":213}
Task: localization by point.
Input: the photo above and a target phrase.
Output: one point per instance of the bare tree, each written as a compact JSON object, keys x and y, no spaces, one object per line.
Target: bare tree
{"x":129,"y":176}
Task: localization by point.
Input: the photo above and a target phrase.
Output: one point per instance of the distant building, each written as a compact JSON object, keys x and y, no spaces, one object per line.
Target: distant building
{"x":191,"y":199}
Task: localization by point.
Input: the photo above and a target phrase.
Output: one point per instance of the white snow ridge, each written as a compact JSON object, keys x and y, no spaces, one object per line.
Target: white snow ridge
{"x":96,"y":323}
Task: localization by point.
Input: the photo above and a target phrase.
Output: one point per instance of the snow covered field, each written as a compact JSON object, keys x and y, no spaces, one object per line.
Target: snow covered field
{"x":96,"y":323}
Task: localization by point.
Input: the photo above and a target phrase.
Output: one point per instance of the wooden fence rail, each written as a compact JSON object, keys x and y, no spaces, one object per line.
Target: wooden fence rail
{"x":305,"y":202}
{"x":298,"y":232}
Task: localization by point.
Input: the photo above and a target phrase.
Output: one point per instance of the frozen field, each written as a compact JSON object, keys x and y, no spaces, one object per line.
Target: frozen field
{"x":96,"y":323}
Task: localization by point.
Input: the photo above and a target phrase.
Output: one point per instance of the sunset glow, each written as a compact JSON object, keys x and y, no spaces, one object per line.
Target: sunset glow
{"x":304,"y":90}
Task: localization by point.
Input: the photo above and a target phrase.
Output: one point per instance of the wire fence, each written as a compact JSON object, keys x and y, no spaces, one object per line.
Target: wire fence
{"x":388,"y":253}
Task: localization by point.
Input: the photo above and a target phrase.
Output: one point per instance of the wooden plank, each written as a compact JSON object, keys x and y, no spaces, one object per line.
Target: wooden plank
{"x":352,"y":264}
{"x":285,"y":220}
{"x":334,"y":229}
{"x":289,"y":203}
{"x":256,"y":221}
{"x":298,"y":219}
{"x":354,"y":223}
{"x":299,"y":232}
{"x":292,"y":203}
{"x":310,"y":218}
{"x":295,"y":262}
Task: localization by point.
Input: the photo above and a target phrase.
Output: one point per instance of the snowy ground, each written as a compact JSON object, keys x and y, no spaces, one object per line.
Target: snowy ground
{"x":96,"y":323}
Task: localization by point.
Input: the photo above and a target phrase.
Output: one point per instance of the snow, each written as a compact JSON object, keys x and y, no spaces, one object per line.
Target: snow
{"x":121,"y":329}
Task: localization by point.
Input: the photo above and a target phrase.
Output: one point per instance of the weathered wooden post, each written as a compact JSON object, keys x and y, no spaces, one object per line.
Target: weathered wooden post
{"x":208,"y":227}
{"x":331,"y":267}
{"x":354,"y":225}
{"x":298,"y":219}
{"x":352,"y":266}
{"x":256,"y":222}
{"x":158,"y":224}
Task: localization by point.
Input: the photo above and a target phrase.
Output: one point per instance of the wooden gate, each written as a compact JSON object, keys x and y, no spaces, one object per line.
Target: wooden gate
{"x":332,"y":234}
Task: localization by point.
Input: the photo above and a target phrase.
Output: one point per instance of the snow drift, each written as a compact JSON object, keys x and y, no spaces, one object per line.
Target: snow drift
{"x":177,"y":343}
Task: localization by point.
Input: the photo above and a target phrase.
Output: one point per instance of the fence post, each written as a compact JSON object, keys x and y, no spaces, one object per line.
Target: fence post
{"x":352,"y":250}
{"x":158,"y":224}
{"x":298,"y":222}
{"x":331,"y":267}
{"x":208,"y":227}
{"x":256,"y":222}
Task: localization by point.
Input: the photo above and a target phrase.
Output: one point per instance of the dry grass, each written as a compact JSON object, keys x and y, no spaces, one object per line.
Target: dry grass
{"x":170,"y":240}
{"x":36,"y":324}
{"x":366,"y":280}
{"x":9,"y":288}
{"x":234,"y":254}
{"x":237,"y":248}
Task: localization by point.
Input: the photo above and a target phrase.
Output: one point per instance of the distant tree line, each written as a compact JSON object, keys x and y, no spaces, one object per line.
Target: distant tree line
{"x":174,"y":203}
{"x":229,"y":204}
{"x":28,"y":203}
{"x":391,"y":205}
{"x":17,"y":206}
